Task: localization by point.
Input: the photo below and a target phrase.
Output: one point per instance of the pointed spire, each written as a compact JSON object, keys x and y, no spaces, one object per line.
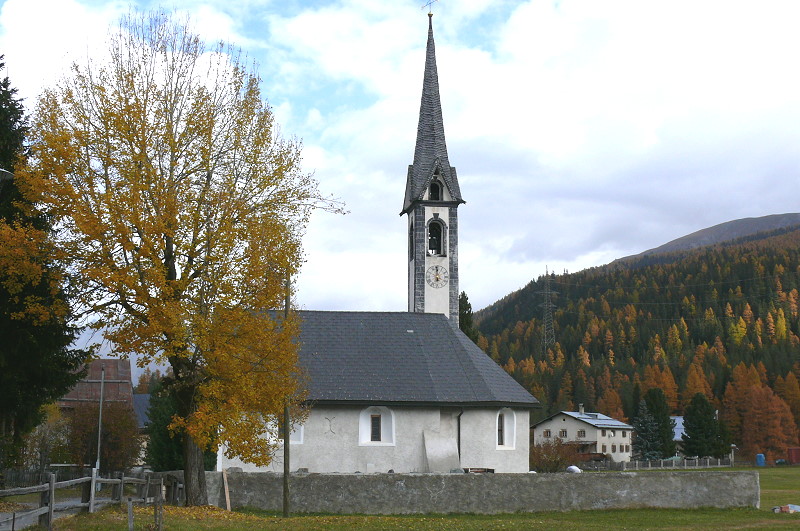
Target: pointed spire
{"x":430,"y":152}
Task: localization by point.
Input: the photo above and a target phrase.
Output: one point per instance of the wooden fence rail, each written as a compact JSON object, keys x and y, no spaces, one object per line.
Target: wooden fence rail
{"x":47,"y":500}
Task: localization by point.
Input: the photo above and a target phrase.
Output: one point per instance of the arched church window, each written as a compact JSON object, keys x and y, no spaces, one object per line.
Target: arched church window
{"x":506,"y":429}
{"x":436,"y":238}
{"x":435,"y":191}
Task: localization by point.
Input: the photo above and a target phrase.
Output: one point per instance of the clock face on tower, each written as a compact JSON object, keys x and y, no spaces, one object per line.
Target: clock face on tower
{"x":437,"y":276}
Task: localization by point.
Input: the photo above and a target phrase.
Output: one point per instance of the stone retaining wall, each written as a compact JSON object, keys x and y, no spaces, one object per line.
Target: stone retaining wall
{"x":487,"y":493}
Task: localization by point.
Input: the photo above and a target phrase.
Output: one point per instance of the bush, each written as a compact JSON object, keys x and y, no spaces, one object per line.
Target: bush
{"x":553,"y":455}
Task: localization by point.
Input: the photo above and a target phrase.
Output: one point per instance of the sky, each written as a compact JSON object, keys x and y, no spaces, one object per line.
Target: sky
{"x":582,"y":131}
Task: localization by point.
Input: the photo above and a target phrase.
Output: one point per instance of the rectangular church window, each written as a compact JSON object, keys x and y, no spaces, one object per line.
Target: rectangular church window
{"x":375,"y":428}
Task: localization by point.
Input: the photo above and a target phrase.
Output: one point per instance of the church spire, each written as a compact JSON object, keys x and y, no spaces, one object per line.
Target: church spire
{"x":430,"y":152}
{"x":431,"y":201}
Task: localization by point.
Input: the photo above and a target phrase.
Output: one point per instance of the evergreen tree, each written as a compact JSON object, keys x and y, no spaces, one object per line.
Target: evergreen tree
{"x":702,"y":437}
{"x":646,"y":441}
{"x":36,"y":364}
{"x":465,"y":321}
{"x":656,"y":402}
{"x":164,"y":447}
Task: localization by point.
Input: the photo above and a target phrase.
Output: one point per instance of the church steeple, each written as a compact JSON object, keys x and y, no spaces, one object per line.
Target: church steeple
{"x":430,"y":151}
{"x":431,"y":200}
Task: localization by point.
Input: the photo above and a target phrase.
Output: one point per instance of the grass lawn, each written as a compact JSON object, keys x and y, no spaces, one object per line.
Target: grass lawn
{"x":779,"y":486}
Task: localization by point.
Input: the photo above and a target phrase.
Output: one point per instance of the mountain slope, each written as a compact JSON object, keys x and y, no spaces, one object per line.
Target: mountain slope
{"x":724,"y":232}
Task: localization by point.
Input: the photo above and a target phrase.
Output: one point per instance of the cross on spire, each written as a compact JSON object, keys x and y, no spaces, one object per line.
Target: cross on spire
{"x":429,"y":5}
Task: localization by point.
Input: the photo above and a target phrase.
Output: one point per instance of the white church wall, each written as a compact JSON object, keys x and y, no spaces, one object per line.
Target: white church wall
{"x":479,"y":447}
{"x":333,"y":441}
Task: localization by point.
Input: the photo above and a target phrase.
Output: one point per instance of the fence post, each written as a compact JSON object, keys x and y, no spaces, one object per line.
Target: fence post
{"x":46,"y":500}
{"x":92,"y":490}
{"x":130,"y":513}
{"x":158,"y":510}
{"x":146,"y":490}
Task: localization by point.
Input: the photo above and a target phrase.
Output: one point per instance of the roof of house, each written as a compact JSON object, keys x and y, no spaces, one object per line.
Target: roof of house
{"x":141,"y":405}
{"x":598,"y":420}
{"x":400,"y":358}
{"x":678,"y":430}
{"x":430,"y":150}
{"x":112,"y":374}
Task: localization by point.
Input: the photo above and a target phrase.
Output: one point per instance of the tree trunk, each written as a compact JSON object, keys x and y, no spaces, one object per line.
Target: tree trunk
{"x":194,"y":477}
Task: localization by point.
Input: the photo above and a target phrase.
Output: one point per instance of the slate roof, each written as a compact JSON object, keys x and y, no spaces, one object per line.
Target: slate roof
{"x":400,"y":358}
{"x":430,"y":151}
{"x":141,"y":406}
{"x":598,"y":420}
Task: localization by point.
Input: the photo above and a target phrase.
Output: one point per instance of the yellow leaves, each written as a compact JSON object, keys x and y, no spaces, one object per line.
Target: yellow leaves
{"x":182,"y":212}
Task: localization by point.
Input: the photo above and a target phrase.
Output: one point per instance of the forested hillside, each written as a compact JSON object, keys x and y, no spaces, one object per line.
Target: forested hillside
{"x":723,"y":321}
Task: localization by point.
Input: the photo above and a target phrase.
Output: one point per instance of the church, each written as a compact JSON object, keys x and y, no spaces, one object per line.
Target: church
{"x":408,"y":391}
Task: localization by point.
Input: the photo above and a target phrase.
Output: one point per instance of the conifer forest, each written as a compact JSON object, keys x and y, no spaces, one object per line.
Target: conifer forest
{"x":723,"y":321}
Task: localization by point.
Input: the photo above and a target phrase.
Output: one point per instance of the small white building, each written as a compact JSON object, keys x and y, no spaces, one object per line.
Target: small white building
{"x":402,"y":392}
{"x":593,"y":433}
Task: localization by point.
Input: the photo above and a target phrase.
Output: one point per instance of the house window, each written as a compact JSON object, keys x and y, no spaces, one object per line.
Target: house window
{"x":624,"y":434}
{"x":613,"y":448}
{"x":546,"y":433}
{"x":581,"y":433}
{"x":604,"y":448}
{"x":435,"y":192}
{"x":627,"y":448}
{"x":562,"y":433}
{"x":506,"y":429}
{"x":613,"y":433}
{"x":376,"y":427}
{"x":604,"y":433}
{"x":436,"y":238}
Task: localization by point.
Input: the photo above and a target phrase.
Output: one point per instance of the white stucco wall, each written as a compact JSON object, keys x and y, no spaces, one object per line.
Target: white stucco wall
{"x":331,"y":442}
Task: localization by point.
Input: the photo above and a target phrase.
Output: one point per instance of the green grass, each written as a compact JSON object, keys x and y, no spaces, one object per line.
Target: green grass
{"x":779,"y":486}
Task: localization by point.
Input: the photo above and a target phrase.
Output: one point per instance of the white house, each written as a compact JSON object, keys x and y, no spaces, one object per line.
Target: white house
{"x":408,"y":391}
{"x":593,"y":433}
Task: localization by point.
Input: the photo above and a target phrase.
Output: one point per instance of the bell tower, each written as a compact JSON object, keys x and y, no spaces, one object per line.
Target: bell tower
{"x":431,"y":201}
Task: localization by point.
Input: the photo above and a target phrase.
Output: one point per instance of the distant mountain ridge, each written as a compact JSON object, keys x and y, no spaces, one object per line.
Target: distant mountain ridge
{"x":724,"y":232}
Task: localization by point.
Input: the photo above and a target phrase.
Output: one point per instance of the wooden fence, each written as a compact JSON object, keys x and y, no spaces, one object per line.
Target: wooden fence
{"x":47,"y":500}
{"x":657,"y":464}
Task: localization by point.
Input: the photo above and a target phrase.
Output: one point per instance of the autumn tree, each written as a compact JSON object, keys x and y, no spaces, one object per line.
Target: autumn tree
{"x":36,"y":364}
{"x":769,"y":426}
{"x":553,"y":455}
{"x":182,"y":209}
{"x":119,"y":440}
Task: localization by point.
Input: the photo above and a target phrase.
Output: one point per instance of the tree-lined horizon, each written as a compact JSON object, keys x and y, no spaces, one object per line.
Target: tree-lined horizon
{"x":722,"y":321}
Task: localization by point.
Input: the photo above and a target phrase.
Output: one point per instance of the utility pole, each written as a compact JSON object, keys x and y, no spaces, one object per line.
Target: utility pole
{"x":548,"y":334}
{"x":100,"y":414}
{"x":286,"y":421}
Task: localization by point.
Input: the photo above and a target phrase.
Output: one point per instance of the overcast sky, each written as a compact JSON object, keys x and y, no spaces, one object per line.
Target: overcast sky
{"x":582,"y":131}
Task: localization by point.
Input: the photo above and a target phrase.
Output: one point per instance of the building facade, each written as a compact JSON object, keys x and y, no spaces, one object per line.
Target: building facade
{"x":592,"y":433}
